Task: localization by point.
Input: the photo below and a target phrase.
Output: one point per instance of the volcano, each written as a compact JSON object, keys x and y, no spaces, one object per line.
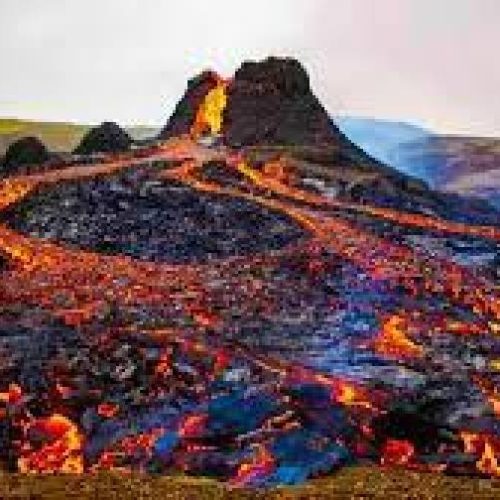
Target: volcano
{"x":267,"y":103}
{"x":249,"y":297}
{"x":271,"y":102}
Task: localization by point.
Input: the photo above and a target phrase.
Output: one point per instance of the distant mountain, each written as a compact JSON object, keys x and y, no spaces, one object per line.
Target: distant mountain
{"x":383,"y":139}
{"x":464,"y":165}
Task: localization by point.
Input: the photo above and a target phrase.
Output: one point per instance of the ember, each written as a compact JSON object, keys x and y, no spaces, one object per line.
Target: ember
{"x":393,"y":340}
{"x":397,"y":452}
{"x":63,"y":451}
{"x":487,"y":448}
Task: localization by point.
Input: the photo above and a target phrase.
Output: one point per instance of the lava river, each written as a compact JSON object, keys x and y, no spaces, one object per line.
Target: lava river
{"x":341,"y":347}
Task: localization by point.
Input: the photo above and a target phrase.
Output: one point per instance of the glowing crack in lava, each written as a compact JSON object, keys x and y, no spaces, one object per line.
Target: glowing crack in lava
{"x":209,"y":116}
{"x":202,"y":368}
{"x":393,"y":340}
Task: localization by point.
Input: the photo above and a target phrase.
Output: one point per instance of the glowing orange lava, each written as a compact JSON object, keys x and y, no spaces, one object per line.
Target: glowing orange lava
{"x":12,"y":396}
{"x":138,"y":444}
{"x":88,"y":281}
{"x":209,"y":116}
{"x":393,"y":340}
{"x":487,"y":448}
{"x":63,"y":451}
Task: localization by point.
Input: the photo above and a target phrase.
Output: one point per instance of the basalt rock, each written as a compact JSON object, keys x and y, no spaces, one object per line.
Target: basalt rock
{"x":271,"y":102}
{"x":3,"y":262}
{"x":106,"y":138}
{"x":24,"y":152}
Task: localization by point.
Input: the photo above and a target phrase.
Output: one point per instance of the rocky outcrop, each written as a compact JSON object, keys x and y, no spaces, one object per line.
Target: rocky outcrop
{"x":106,"y":138}
{"x":22,"y":153}
{"x":271,"y":102}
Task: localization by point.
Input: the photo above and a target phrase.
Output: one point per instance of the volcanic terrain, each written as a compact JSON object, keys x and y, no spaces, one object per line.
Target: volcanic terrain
{"x":248,"y":297}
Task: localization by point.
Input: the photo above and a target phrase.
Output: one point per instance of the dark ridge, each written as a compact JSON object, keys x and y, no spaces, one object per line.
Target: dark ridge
{"x":24,"y":152}
{"x":106,"y":138}
{"x":271,"y":102}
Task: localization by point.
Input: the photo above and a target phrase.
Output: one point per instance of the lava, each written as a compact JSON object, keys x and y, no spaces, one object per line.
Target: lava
{"x":63,"y":452}
{"x":350,"y":394}
{"x":397,"y":452}
{"x":200,"y":320}
{"x":193,"y":426}
{"x":12,"y":396}
{"x":108,"y":410}
{"x":260,"y":465}
{"x":487,"y":448}
{"x":209,"y":116}
{"x":137,"y":445}
{"x":393,"y":340}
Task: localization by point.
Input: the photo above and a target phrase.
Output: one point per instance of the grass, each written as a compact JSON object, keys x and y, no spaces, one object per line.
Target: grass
{"x":57,"y":136}
{"x":354,"y":482}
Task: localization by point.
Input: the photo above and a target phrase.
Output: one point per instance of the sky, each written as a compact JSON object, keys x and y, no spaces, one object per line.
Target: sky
{"x":434,"y":63}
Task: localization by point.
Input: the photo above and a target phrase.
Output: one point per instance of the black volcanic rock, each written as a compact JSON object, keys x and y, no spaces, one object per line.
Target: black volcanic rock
{"x":271,"y":102}
{"x":134,"y":214}
{"x":185,"y":112}
{"x":3,"y":262}
{"x":106,"y":138}
{"x":24,"y":152}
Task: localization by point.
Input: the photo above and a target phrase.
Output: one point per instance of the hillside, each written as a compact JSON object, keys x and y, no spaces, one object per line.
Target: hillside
{"x":465,"y":165}
{"x":458,"y":164}
{"x":382,"y":138}
{"x":57,"y":136}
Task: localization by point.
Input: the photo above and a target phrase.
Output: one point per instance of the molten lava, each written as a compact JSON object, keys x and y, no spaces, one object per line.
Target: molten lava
{"x":487,"y":448}
{"x":350,"y":394}
{"x":108,"y":410}
{"x":43,"y":272}
{"x":12,"y":396}
{"x":209,"y":116}
{"x":393,"y":340}
{"x":193,"y":426}
{"x":397,"y":452}
{"x":260,"y":465}
{"x":62,"y":451}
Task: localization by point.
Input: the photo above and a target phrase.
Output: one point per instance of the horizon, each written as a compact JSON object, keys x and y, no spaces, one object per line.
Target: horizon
{"x":414,"y":124}
{"x":397,"y":60}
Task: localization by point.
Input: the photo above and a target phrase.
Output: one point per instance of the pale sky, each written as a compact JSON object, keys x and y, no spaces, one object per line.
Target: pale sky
{"x":431,"y":62}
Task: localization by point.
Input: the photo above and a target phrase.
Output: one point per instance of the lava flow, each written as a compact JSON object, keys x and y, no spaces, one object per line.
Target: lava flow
{"x":230,"y":366}
{"x":209,"y":116}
